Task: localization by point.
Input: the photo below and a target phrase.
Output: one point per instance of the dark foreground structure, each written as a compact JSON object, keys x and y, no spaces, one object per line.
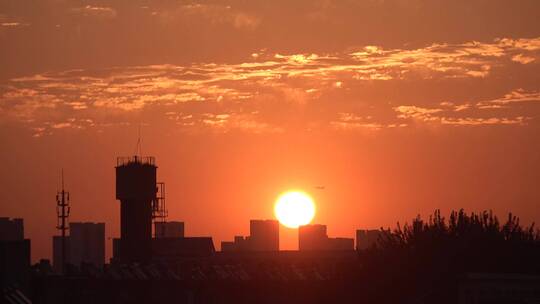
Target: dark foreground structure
{"x":14,"y":256}
{"x":289,"y":277}
{"x":264,"y":277}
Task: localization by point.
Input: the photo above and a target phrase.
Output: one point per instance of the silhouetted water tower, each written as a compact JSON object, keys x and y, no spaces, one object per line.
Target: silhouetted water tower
{"x":136,"y":189}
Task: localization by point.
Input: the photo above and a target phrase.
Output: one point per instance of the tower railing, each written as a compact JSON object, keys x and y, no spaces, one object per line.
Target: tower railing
{"x":143,"y":160}
{"x":159,"y":210}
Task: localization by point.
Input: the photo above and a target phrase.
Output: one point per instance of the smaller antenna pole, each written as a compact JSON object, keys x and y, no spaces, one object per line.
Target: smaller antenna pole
{"x":62,"y":211}
{"x":139,"y":142}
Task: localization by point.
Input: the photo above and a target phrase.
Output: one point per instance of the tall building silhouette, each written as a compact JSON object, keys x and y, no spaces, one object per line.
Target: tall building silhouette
{"x":14,"y":253}
{"x":85,"y":244}
{"x":141,"y":202}
{"x":264,"y":235}
{"x":136,"y":189}
{"x":11,"y":229}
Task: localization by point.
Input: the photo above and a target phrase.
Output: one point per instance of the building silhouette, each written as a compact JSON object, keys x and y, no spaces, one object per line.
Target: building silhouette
{"x":367,"y":238}
{"x":248,"y":277}
{"x":340,"y":243}
{"x":169,"y":229}
{"x":87,"y":243}
{"x":141,"y":199}
{"x":11,"y":229}
{"x":84,"y":245}
{"x":228,"y":246}
{"x":239,"y":244}
{"x":136,"y":189}
{"x":14,"y":253}
{"x":314,"y":238}
{"x":57,"y":261}
{"x":264,"y":236}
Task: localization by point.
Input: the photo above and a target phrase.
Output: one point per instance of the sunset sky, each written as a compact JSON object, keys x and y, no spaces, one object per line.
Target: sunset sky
{"x":396,"y":107}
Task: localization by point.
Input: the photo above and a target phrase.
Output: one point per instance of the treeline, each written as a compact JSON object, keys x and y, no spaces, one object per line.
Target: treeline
{"x":462,"y":228}
{"x":425,"y":259}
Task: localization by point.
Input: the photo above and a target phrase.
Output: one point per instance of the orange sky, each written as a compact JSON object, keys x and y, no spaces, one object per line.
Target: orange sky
{"x":396,"y":107}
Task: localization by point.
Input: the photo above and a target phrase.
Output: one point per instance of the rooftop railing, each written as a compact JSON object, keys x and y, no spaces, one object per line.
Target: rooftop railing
{"x":143,"y":160}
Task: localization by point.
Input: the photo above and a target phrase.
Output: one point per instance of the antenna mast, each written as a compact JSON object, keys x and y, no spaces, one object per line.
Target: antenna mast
{"x":62,"y":212}
{"x":138,"y":149}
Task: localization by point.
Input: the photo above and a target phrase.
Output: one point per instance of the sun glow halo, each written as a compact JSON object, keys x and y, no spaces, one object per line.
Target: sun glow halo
{"x":294,"y":209}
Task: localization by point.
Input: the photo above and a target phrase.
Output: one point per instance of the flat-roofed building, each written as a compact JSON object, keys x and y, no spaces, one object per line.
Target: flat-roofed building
{"x":87,"y":243}
{"x":57,"y":253}
{"x":315,"y":238}
{"x":11,"y":229}
{"x":227,"y":246}
{"x":340,"y":244}
{"x":14,"y":253}
{"x":240,"y":243}
{"x":264,"y":235}
{"x":169,"y":229}
{"x":312,"y":237}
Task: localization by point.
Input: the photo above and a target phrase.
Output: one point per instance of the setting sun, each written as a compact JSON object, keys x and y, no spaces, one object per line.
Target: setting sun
{"x":294,"y":209}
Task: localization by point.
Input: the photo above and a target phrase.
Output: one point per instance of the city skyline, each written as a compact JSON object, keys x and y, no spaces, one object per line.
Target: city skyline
{"x":264,"y":234}
{"x":85,"y":241}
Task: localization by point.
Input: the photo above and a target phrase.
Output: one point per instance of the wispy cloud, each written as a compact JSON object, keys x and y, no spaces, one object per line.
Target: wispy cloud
{"x":212,"y":14}
{"x":270,"y":81}
{"x":477,"y":113}
{"x":96,"y":11}
{"x":11,"y":23}
{"x":516,"y":96}
{"x":353,"y":122}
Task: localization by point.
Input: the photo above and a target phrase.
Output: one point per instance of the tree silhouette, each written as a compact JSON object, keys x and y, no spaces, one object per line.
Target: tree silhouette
{"x":425,"y":257}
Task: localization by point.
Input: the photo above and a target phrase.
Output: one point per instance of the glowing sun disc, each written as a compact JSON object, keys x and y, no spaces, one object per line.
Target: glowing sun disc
{"x":294,"y":209}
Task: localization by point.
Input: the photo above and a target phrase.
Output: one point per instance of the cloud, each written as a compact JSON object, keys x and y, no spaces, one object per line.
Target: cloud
{"x":523,"y":59}
{"x":223,"y":123}
{"x":469,"y":121}
{"x":415,"y":112}
{"x":96,"y":11}
{"x":437,"y":116}
{"x":213,"y":14}
{"x":7,"y":23}
{"x":274,"y":83}
{"x":470,"y":59}
{"x":516,"y":96}
{"x":477,"y":113}
{"x":10,"y":24}
{"x":352,"y":122}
